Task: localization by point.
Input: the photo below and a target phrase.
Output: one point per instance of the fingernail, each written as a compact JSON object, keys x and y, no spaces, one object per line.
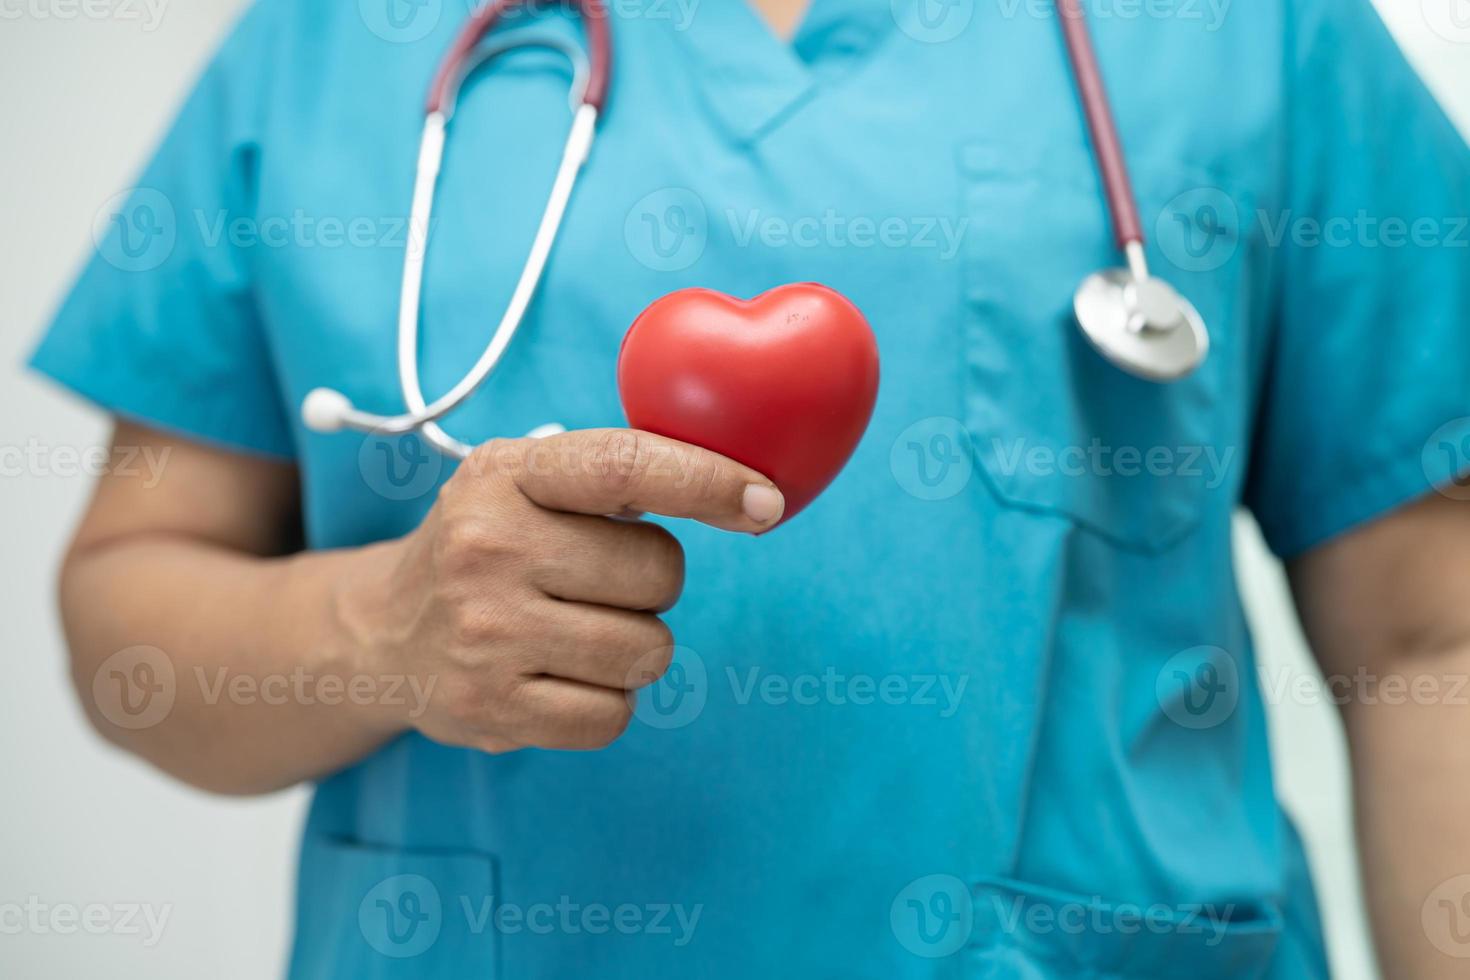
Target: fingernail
{"x":762,"y":504}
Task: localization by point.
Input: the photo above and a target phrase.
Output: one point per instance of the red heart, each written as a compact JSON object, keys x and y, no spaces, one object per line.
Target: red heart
{"x":784,"y":383}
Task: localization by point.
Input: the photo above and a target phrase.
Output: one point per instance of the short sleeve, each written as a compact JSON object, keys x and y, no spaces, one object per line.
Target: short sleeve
{"x":162,"y":326}
{"x":1367,"y":386}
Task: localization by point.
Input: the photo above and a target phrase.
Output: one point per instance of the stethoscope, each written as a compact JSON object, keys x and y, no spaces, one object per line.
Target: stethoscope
{"x":1137,"y":321}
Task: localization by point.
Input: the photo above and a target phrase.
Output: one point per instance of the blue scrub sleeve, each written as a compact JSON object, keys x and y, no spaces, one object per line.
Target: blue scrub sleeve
{"x":1367,"y":384}
{"x":162,"y":326}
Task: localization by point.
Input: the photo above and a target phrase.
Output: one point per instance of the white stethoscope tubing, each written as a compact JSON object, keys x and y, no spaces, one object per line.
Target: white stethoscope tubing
{"x":329,"y":410}
{"x":1134,"y":319}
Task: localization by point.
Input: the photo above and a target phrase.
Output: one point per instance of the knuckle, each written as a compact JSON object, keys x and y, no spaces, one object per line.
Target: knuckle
{"x":598,"y":634}
{"x":662,"y":637}
{"x":649,"y":655}
{"x":621,"y":719}
{"x":469,"y":543}
{"x":579,"y":724}
{"x":654,"y":662}
{"x":619,"y":457}
{"x":495,"y":745}
{"x":465,"y":704}
{"x":608,"y":724}
{"x":471,"y":627}
{"x":703,"y":474}
{"x":465,"y":636}
{"x":461,"y":541}
{"x":667,"y":571}
{"x":526,"y":655}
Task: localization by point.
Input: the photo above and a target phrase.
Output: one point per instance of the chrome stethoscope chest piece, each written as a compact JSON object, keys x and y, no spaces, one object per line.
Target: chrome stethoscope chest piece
{"x":1141,"y":325}
{"x":1136,"y":321}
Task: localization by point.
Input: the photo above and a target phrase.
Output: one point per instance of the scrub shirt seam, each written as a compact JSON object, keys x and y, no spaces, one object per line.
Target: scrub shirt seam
{"x":171,"y":414}
{"x":1321,"y":513}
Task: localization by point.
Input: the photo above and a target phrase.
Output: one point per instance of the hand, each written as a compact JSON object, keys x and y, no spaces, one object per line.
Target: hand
{"x":533,"y":613}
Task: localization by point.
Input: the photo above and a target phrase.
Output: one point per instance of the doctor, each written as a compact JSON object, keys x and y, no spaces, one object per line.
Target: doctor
{"x":987,"y":707}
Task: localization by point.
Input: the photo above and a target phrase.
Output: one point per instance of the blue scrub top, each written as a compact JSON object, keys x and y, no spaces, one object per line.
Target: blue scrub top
{"x":986,"y":708}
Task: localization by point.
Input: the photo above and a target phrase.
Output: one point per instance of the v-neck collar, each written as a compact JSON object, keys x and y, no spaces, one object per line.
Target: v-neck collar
{"x":752,"y":79}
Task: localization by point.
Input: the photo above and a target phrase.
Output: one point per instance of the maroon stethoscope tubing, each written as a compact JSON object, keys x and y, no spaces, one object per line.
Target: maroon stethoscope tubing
{"x":1105,"y":142}
{"x":599,"y":51}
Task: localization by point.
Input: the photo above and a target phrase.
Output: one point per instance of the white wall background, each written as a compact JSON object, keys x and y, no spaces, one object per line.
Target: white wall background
{"x":85,"y":97}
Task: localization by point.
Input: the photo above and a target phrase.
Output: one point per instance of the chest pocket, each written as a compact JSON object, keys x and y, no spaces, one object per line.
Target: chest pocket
{"x":1055,"y":427}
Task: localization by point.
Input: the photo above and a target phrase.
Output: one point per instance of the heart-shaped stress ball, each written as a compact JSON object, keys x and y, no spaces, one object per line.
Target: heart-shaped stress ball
{"x":784,"y":383}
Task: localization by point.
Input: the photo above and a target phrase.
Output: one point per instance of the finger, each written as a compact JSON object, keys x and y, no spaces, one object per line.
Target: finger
{"x":609,"y":471}
{"x":599,"y":645}
{"x":563,"y":714}
{"x":628,"y":564}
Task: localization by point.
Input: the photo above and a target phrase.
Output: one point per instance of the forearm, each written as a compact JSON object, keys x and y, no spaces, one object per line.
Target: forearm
{"x":270,"y":680}
{"x":1410,"y":740}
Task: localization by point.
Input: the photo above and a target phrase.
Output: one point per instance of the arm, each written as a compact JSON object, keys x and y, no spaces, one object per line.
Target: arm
{"x":196,"y":566}
{"x":1393,"y":599}
{"x":513,"y":616}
